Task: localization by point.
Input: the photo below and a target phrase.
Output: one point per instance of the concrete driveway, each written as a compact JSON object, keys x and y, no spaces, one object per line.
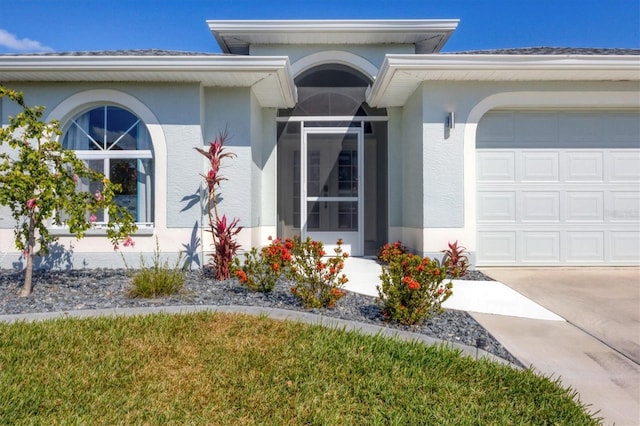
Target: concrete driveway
{"x":597,"y":350}
{"x":603,"y":302}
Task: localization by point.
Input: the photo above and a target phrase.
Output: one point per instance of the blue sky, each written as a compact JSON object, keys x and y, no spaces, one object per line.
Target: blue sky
{"x":80,"y":25}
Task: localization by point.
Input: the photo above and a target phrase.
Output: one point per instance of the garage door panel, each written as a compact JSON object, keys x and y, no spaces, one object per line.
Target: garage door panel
{"x":574,"y":196}
{"x":497,"y":166}
{"x":497,"y":246}
{"x":540,"y":206}
{"x":497,"y":206}
{"x":584,"y":166}
{"x":539,"y":166}
{"x":584,"y":206}
{"x":625,"y":246}
{"x":540,"y":246}
{"x":625,"y":206}
{"x":585,"y":246}
{"x":625,"y":166}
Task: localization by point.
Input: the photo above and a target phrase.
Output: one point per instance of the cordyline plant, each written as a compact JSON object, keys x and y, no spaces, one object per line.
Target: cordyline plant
{"x":39,"y":184}
{"x":456,"y":260}
{"x":224,"y":232}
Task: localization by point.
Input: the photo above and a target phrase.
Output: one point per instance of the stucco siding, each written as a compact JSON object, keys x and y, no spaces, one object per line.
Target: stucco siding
{"x":412,"y":162}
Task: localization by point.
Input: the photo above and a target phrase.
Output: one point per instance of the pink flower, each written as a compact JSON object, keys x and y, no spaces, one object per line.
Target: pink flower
{"x":128,"y":242}
{"x":116,"y":247}
{"x":98,"y":195}
{"x":31,"y":203}
{"x":93,"y":218}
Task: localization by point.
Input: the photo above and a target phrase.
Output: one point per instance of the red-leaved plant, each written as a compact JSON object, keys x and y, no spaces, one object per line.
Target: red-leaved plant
{"x":224,"y":232}
{"x":455,"y":260}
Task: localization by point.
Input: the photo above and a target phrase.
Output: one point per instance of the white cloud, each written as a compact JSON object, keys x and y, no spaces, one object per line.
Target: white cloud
{"x":11,"y":42}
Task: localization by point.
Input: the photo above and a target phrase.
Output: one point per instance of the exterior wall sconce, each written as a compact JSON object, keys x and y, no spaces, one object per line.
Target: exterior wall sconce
{"x":451,"y":120}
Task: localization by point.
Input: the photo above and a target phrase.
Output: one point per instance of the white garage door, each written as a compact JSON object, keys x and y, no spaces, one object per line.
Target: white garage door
{"x":558,"y":188}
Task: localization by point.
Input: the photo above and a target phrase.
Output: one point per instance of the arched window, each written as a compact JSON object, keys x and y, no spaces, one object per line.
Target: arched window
{"x":116,"y":143}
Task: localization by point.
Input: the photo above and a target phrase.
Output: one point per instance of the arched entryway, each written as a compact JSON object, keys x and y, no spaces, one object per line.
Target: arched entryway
{"x":332,"y":162}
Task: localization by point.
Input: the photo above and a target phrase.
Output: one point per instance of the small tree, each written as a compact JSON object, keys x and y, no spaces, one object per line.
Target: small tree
{"x":39,"y":183}
{"x":224,"y":232}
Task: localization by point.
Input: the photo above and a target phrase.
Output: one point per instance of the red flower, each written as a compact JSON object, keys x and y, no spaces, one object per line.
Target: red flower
{"x":411,"y":283}
{"x":31,"y":203}
{"x":241,"y":275}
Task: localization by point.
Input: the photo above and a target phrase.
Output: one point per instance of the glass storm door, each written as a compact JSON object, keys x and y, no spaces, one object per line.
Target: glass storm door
{"x":331,"y":201}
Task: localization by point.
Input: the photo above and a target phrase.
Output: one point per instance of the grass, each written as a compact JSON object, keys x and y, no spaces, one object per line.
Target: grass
{"x":214,"y":368}
{"x":157,"y":280}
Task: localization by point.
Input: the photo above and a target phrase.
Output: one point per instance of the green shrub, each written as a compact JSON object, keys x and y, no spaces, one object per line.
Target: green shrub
{"x":317,"y":281}
{"x":261,"y":270}
{"x":157,"y":280}
{"x":412,"y":289}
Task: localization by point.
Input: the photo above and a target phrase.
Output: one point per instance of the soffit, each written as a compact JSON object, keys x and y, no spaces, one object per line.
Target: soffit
{"x":269,"y":77}
{"x":429,"y":35}
{"x":401,"y":75}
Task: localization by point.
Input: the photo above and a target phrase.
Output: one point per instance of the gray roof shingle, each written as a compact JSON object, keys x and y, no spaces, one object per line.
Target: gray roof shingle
{"x":546,"y":50}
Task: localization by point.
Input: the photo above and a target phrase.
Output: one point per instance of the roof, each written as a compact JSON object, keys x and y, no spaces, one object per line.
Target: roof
{"x":428,"y":35}
{"x":400,"y":75}
{"x":269,"y":77}
{"x":547,"y":50}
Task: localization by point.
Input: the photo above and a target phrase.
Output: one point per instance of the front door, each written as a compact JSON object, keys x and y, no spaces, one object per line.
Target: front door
{"x":330,"y":187}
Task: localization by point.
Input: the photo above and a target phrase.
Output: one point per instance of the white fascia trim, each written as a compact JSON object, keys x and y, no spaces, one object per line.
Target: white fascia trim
{"x":52,"y":63}
{"x":313,"y":25}
{"x":464,"y":67}
{"x":271,"y":31}
{"x":195,"y":69}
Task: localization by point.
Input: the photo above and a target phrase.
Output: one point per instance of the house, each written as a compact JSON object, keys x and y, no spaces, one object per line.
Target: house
{"x":360,"y":130}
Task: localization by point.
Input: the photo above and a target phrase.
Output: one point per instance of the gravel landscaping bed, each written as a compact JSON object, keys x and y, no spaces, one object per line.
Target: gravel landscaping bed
{"x":60,"y":291}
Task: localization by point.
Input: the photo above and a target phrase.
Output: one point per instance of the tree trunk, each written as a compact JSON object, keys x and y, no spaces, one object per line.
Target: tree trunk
{"x":28,"y":274}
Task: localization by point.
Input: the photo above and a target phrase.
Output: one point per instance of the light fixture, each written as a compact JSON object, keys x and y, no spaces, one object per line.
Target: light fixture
{"x":451,"y":120}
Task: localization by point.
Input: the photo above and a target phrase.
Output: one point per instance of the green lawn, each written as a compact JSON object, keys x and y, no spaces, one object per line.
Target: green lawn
{"x":208,"y":368}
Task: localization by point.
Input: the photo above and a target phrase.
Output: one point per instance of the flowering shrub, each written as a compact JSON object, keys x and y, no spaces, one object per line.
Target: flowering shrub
{"x":318,"y":280}
{"x":455,"y":260}
{"x":224,"y":234}
{"x":412,"y":288}
{"x":390,"y":251}
{"x":262,"y":269}
{"x":39,"y":184}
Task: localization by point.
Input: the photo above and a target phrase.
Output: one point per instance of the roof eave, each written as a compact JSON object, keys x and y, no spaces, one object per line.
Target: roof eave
{"x":400,"y":75}
{"x":235,"y":36}
{"x":271,"y":75}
